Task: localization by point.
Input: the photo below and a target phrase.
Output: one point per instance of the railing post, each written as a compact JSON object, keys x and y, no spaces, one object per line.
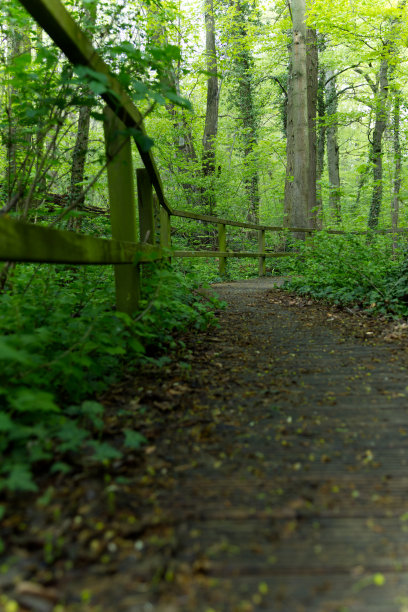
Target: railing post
{"x":145,"y":200}
{"x":222,"y":246}
{"x":261,"y":248}
{"x":122,"y":208}
{"x":165,"y":231}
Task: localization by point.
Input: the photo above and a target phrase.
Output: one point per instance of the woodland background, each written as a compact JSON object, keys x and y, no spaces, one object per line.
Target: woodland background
{"x":278,"y":113}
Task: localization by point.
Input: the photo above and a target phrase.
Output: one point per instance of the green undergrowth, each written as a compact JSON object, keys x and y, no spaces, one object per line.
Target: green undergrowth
{"x":351,"y":270}
{"x":61,"y":343}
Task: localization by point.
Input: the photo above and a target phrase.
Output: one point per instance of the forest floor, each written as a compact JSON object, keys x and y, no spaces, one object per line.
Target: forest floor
{"x":275,"y":476}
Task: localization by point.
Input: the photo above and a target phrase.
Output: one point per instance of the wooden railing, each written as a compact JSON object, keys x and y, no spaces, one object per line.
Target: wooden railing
{"x":133,"y":235}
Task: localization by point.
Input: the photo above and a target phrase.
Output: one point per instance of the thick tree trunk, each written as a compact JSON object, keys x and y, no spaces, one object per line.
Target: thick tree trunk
{"x":300,"y":186}
{"x":377,"y":153}
{"x":333,"y":157}
{"x":211,"y":116}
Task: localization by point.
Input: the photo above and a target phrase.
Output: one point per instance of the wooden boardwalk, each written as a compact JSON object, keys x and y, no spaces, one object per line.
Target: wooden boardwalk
{"x":275,"y":478}
{"x":281,"y":471}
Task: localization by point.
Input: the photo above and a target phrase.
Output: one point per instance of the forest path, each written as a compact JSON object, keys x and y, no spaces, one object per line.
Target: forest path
{"x":275,"y":477}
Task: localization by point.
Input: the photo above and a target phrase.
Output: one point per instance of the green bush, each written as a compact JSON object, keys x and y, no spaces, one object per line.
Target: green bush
{"x":351,"y":270}
{"x":62,"y":342}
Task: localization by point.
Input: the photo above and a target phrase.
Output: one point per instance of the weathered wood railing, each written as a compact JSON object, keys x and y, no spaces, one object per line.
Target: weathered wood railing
{"x":133,"y":236}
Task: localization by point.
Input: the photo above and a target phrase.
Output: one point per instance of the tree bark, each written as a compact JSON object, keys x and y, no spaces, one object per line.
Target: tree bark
{"x":211,"y":116}
{"x":79,"y":157}
{"x":76,"y":192}
{"x":248,"y":119}
{"x":377,"y":153}
{"x":397,"y":162}
{"x":300,"y":185}
{"x":321,"y":145}
{"x":333,"y":157}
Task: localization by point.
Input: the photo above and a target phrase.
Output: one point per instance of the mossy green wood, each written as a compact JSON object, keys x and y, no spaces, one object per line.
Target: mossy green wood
{"x":261,"y":249}
{"x":122,"y":208}
{"x":59,"y":25}
{"x":145,"y":202}
{"x":249,"y":254}
{"x":33,"y":243}
{"x":211,"y":219}
{"x":222,"y":247}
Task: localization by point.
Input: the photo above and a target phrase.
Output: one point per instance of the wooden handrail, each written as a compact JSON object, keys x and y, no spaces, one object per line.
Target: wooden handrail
{"x":34,"y":243}
{"x":53,"y":17}
{"x":251,"y":254}
{"x":277,"y":228}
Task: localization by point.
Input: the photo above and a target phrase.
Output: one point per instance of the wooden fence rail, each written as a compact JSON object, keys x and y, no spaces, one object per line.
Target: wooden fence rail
{"x":133,"y":235}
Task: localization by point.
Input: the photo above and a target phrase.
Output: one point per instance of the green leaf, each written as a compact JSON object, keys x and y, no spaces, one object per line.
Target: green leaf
{"x":6,"y":424}
{"x":71,"y":436}
{"x":19,"y":478}
{"x":60,"y":466}
{"x":133,"y":439}
{"x":141,"y":139}
{"x":103,"y":451}
{"x":8,"y":353}
{"x":183,"y":102}
{"x":33,"y":400}
{"x":137,"y":346}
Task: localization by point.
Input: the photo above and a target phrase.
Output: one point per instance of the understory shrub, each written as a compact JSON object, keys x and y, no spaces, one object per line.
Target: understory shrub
{"x":61,"y":342}
{"x":349,"y":269}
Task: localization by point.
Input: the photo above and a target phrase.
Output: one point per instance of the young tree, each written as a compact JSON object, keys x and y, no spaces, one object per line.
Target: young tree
{"x":211,"y":115}
{"x":242,"y":98}
{"x":333,"y":156}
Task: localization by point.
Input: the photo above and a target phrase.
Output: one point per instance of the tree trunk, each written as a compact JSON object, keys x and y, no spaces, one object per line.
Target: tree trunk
{"x":76,"y":192}
{"x":245,"y":103}
{"x":79,"y":158}
{"x":333,"y":158}
{"x":300,"y":185}
{"x":397,"y":163}
{"x":321,"y":142}
{"x":377,"y":153}
{"x":17,"y":143}
{"x":211,"y":116}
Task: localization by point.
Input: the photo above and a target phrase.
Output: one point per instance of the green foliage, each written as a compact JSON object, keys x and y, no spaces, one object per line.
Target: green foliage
{"x":61,"y":342}
{"x":351,"y":270}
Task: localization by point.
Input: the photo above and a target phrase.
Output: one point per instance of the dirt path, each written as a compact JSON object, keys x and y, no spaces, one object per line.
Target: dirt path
{"x":275,"y":477}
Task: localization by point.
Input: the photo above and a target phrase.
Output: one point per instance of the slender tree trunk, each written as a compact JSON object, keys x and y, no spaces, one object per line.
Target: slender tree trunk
{"x":79,"y":157}
{"x":397,"y":164}
{"x":245,"y":103}
{"x":76,"y":192}
{"x":333,"y":157}
{"x":17,"y":143}
{"x":377,"y":152}
{"x":321,"y":142}
{"x":211,"y":116}
{"x":300,"y":186}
